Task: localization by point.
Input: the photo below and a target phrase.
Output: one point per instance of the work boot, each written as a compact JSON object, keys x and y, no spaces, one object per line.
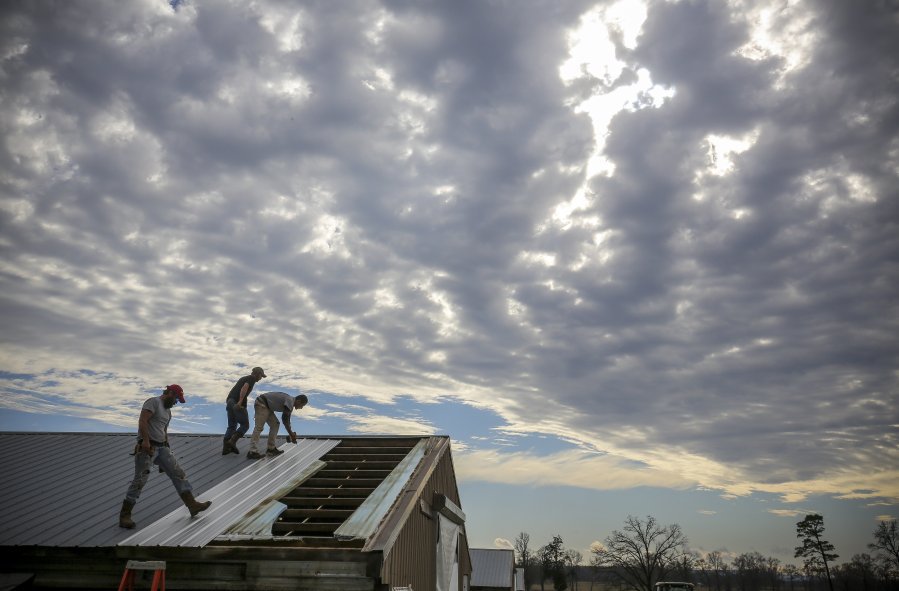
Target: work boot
{"x":193,"y":505}
{"x":125,"y":515}
{"x":254,"y":455}
{"x":232,"y":444}
{"x":226,"y":447}
{"x":274,"y":451}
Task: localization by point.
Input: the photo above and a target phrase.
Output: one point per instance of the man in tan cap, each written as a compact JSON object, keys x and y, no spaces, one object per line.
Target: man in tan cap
{"x":236,"y":408}
{"x":153,"y":448}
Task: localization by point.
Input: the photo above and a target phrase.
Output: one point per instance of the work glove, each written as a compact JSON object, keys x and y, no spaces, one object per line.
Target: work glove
{"x":293,"y":437}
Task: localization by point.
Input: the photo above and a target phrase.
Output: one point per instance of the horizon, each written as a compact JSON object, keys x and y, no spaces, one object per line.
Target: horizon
{"x":479,"y":496}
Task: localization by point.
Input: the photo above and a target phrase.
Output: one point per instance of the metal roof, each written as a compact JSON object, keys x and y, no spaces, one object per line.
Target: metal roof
{"x":492,"y":567}
{"x":237,"y":496}
{"x":65,"y":489}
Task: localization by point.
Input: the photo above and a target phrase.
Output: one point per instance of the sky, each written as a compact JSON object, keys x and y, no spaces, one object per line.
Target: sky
{"x":634,"y":258}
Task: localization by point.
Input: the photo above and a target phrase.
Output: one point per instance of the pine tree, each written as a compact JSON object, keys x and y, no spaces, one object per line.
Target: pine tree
{"x":816,"y":551}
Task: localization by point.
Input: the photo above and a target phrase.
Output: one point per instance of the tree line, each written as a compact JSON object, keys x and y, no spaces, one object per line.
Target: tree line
{"x":645,"y":552}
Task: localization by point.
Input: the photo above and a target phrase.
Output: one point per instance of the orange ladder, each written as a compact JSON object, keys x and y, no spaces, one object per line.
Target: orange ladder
{"x":131,"y":568}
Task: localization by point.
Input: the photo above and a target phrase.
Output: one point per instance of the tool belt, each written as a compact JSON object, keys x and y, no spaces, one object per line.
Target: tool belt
{"x":262,"y":400}
{"x":153,"y":443}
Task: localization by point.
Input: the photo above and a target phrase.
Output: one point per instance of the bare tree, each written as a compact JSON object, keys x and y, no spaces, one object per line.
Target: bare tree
{"x":816,"y":551}
{"x":525,"y":557}
{"x":717,"y":567}
{"x":573,"y":559}
{"x":702,"y":565}
{"x":543,"y":561}
{"x":773,"y":572}
{"x":886,"y":575}
{"x":645,"y":552}
{"x":791,"y":571}
{"x":726,"y":575}
{"x":684,"y":567}
{"x":886,"y":541}
{"x":595,"y":563}
{"x":860,"y":572}
{"x":750,"y":570}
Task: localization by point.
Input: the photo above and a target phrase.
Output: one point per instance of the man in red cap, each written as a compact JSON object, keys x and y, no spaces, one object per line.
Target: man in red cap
{"x":153,"y":448}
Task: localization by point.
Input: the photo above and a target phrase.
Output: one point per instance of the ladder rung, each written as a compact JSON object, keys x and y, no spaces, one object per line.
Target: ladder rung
{"x":145,"y":565}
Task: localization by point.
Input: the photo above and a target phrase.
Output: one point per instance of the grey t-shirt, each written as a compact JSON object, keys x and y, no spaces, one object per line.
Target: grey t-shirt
{"x":159,"y":422}
{"x":279,"y":401}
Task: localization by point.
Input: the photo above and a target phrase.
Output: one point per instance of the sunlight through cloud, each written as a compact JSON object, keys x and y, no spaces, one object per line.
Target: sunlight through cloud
{"x":782,"y":29}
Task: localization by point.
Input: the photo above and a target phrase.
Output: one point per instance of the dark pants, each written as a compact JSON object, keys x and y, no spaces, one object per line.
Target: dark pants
{"x":238,"y":419}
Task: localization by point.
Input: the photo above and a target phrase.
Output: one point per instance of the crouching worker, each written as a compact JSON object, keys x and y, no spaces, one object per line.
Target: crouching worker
{"x":265,"y":407}
{"x":153,"y":448}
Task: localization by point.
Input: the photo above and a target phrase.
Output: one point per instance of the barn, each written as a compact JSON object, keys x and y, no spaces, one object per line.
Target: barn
{"x":336,"y":512}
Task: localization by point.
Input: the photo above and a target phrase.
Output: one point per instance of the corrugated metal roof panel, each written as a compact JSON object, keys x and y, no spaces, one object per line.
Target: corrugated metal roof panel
{"x":492,"y":567}
{"x":258,"y":523}
{"x":236,"y":497}
{"x":65,"y":489}
{"x":366,"y":518}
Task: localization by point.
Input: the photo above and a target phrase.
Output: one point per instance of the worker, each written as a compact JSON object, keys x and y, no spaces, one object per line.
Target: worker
{"x":153,"y":448}
{"x":264,"y":408}
{"x":236,"y":407}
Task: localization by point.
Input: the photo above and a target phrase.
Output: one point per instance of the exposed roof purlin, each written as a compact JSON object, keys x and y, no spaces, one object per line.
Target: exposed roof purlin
{"x":366,"y":519}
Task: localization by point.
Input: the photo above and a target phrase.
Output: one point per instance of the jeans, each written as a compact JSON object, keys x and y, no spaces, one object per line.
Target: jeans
{"x":263,"y":416}
{"x":238,"y":419}
{"x":165,"y":459}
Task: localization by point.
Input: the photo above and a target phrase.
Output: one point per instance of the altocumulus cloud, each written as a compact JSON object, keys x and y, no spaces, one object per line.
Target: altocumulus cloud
{"x":674,"y":249}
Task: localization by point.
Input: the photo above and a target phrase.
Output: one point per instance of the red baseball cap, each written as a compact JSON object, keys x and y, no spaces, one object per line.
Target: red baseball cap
{"x":178,"y":390}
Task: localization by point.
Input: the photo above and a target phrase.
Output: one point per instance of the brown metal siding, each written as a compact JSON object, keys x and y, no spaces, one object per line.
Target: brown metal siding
{"x":413,"y":558}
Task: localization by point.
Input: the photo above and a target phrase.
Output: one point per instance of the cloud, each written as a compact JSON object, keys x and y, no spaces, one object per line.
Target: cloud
{"x":503,"y":543}
{"x":789,"y":512}
{"x":680,"y":256}
{"x":572,"y":468}
{"x":667,"y":469}
{"x":372,"y":424}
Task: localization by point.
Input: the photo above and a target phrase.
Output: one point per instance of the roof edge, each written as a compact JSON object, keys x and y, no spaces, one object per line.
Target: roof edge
{"x":389,"y":529}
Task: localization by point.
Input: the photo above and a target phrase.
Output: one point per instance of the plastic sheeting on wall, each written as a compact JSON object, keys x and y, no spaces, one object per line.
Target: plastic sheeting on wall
{"x":447,"y":561}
